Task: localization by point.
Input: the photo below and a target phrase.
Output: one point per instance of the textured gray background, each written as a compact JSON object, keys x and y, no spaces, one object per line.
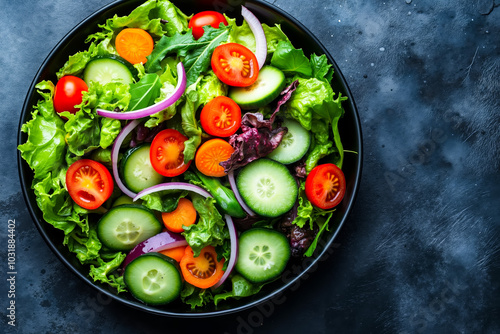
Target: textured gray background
{"x":420,"y":253}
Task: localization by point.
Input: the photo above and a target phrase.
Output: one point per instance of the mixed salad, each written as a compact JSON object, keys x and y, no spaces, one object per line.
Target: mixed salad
{"x":187,"y":157}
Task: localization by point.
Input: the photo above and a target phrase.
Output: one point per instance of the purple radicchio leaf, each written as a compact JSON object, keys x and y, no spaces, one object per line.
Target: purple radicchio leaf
{"x":258,"y":138}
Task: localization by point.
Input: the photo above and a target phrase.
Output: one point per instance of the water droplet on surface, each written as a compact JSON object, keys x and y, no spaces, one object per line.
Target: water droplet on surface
{"x":382,"y":49}
{"x":408,"y":1}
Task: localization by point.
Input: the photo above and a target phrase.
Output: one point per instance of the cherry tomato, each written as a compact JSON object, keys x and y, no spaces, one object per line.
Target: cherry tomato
{"x":167,"y":153}
{"x":68,"y":93}
{"x":202,"y":271}
{"x":198,"y":21}
{"x":325,"y":186}
{"x":221,"y":117}
{"x":235,"y":65}
{"x":89,"y":183}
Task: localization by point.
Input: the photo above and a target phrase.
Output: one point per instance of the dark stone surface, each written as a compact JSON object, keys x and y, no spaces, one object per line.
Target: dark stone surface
{"x":420,"y":253}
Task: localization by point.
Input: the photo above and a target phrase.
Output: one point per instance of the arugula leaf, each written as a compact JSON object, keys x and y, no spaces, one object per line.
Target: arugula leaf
{"x":290,"y":60}
{"x":313,"y":245}
{"x":178,"y":43}
{"x":144,"y":92}
{"x":196,"y":53}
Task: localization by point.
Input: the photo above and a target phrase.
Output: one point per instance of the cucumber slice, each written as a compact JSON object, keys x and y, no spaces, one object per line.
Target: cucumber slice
{"x":136,"y":170}
{"x":107,"y":69}
{"x":267,"y":187}
{"x":153,"y":278}
{"x":124,"y":226}
{"x":262,"y":254}
{"x":294,"y":144}
{"x":268,"y":86}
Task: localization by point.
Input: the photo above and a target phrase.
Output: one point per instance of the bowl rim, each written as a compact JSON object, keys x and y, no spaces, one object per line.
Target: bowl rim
{"x":25,"y":185}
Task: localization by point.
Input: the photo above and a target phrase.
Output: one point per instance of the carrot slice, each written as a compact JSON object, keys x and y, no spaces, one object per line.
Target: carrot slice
{"x":175,"y":253}
{"x":211,"y":154}
{"x":183,"y":215}
{"x":134,"y":45}
{"x":204,"y":270}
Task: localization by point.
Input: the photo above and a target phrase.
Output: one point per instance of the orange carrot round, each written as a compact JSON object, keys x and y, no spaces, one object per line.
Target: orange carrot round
{"x":175,"y":253}
{"x":211,"y":154}
{"x":183,"y":215}
{"x":134,"y":45}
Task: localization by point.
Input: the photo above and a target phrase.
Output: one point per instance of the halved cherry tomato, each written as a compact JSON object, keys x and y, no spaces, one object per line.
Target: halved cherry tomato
{"x":89,"y":183}
{"x":198,"y":21}
{"x":204,"y":270}
{"x":167,"y":153}
{"x":221,"y":117}
{"x":68,"y":93}
{"x":325,"y":186}
{"x":235,"y":65}
{"x":134,"y":45}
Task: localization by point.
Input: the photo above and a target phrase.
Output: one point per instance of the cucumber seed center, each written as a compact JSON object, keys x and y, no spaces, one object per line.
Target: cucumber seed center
{"x":265,"y":187}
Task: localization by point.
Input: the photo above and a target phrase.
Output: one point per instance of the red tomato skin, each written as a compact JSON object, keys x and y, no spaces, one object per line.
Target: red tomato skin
{"x":317,"y":179}
{"x":212,"y":111}
{"x":233,"y":76}
{"x":68,"y":93}
{"x":201,"y":19}
{"x":174,"y":137}
{"x":101,"y":192}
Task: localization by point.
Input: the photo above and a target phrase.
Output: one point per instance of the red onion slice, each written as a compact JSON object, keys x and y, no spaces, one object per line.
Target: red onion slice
{"x":157,"y":243}
{"x":172,"y":186}
{"x":240,"y":200}
{"x":114,"y":156}
{"x":234,"y":251}
{"x":157,"y":107}
{"x":258,"y":32}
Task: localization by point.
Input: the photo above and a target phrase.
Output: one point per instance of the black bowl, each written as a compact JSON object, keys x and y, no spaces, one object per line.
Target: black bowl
{"x":349,"y":126}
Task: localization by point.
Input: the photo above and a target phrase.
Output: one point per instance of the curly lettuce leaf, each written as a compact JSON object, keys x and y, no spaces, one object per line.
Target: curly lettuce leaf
{"x":45,"y":144}
{"x":314,"y":107}
{"x":199,"y":93}
{"x":163,"y":201}
{"x":195,"y":297}
{"x":104,"y":271}
{"x":243,"y":35}
{"x":211,"y":228}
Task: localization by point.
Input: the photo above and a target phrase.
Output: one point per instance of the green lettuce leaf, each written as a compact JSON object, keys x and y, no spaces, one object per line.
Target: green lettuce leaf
{"x":168,"y":81}
{"x":240,"y":288}
{"x":45,"y":144}
{"x":163,"y":201}
{"x":243,"y":35}
{"x":104,"y":270}
{"x":290,"y":60}
{"x":110,"y":129}
{"x":313,"y":106}
{"x":195,"y":297}
{"x":198,"y":94}
{"x":211,"y":228}
{"x":321,"y":69}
